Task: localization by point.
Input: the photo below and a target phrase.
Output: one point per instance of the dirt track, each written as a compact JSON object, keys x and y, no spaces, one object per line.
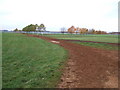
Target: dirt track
{"x":87,"y":67}
{"x":115,"y":44}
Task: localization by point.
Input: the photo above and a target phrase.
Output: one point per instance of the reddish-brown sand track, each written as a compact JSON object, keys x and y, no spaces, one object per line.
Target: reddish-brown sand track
{"x":87,"y":67}
{"x":115,"y":44}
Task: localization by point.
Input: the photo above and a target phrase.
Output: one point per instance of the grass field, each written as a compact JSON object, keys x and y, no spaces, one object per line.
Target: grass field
{"x":98,"y":45}
{"x":97,"y":38}
{"x":30,"y":62}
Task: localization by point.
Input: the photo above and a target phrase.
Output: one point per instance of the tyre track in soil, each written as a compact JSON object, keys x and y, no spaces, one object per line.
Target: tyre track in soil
{"x":87,"y":67}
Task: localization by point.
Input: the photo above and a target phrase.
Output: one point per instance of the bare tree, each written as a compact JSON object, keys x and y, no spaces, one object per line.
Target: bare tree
{"x":63,"y":29}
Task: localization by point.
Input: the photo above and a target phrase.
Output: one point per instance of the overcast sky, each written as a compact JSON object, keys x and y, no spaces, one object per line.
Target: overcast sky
{"x":54,"y":14}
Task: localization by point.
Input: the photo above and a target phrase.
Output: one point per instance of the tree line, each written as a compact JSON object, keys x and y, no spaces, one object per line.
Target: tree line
{"x":72,"y":29}
{"x":33,"y":28}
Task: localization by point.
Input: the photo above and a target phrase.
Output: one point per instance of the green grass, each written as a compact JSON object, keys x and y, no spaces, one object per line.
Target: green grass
{"x":30,"y":62}
{"x":98,"y":45}
{"x":98,"y":38}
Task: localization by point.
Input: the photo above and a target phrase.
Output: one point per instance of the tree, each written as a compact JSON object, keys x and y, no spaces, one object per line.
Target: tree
{"x":63,"y":29}
{"x":101,"y":32}
{"x":41,"y":28}
{"x":72,"y":29}
{"x":30,"y":28}
{"x":104,"y":32}
{"x":91,"y":31}
{"x":36,"y":25}
{"x":16,"y":30}
{"x":77,"y":30}
{"x":83,"y":31}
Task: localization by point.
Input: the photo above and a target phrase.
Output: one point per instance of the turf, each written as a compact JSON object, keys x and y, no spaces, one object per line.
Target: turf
{"x":30,"y":62}
{"x":99,"y":45}
{"x":97,"y":38}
